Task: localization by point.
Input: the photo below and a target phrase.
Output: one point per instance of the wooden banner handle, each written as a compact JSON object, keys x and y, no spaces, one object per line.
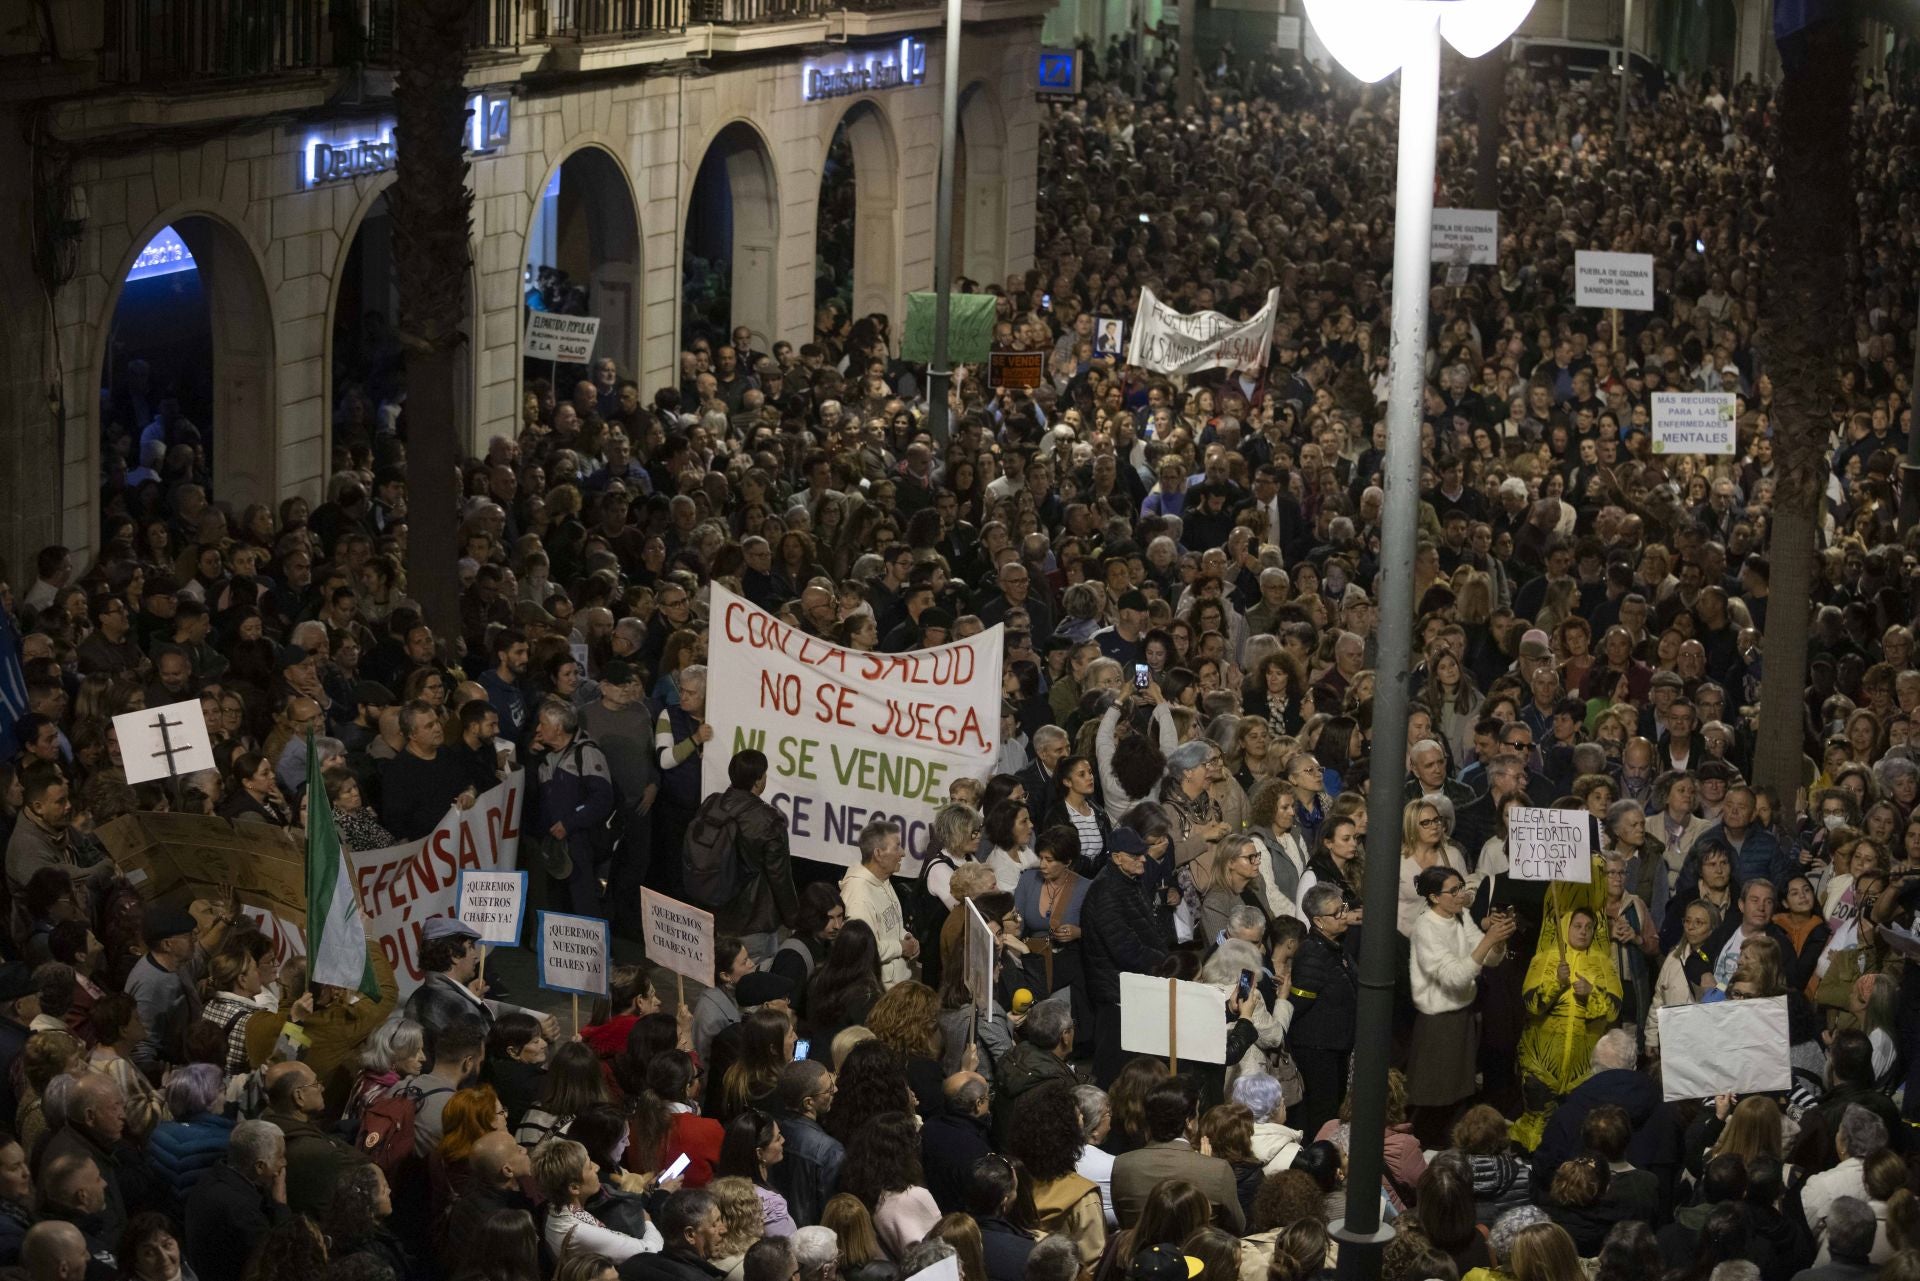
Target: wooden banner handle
{"x":1173,"y":1027}
{"x":576,"y":1014}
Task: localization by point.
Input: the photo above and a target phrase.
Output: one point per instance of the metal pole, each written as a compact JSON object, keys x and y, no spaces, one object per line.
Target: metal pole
{"x":939,"y":371}
{"x":1626,"y":73}
{"x":1910,"y":472}
{"x":1361,"y":1234}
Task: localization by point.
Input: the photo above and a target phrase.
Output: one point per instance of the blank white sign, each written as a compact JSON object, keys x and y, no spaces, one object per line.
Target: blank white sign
{"x":1201,"y":1012}
{"x":1728,"y":1047}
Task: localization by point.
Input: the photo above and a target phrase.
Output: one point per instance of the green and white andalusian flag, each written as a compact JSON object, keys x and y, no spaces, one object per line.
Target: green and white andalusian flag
{"x":336,"y":931}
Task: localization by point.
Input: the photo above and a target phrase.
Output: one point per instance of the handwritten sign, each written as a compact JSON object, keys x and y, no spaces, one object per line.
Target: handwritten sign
{"x":1549,"y":845}
{"x":495,"y":903}
{"x":1199,"y":1017}
{"x":568,"y":338}
{"x":1613,"y":280}
{"x":1016,"y":368}
{"x":981,"y":943}
{"x":1727,"y":1047}
{"x":164,"y":742}
{"x":679,"y":937}
{"x":573,"y":954}
{"x":1469,"y":237}
{"x":1694,"y":422}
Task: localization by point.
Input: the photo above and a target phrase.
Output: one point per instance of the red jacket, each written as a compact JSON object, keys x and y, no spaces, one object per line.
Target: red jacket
{"x":697,"y":1136}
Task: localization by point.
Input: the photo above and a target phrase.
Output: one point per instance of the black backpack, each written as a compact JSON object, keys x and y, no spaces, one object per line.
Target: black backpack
{"x":713,"y":870}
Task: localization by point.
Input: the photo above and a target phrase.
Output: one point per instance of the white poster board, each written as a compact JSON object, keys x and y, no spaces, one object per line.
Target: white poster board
{"x":1549,"y":845}
{"x":1694,"y":422}
{"x":495,"y":903}
{"x":981,"y":942}
{"x":948,"y":1269}
{"x":1287,"y":34}
{"x":1728,"y":1047}
{"x":679,"y":937}
{"x":573,"y":954}
{"x":849,"y":736}
{"x":1613,"y":280}
{"x":1469,"y":236}
{"x":1199,"y":1018}
{"x":554,"y":337}
{"x":164,"y":742}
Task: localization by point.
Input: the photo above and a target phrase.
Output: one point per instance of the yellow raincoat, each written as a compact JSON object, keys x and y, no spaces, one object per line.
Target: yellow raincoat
{"x":1556,"y":1048}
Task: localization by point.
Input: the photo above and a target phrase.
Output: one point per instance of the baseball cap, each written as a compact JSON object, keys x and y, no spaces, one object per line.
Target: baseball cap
{"x":292,"y":656}
{"x":1164,"y":1263}
{"x":1536,"y":645}
{"x":1124,"y":840}
{"x":447,"y":927}
{"x":161,"y":921}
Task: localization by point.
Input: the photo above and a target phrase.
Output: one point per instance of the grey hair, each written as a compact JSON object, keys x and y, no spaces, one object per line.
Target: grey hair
{"x":1049,"y":734}
{"x":1619,"y":810}
{"x":1616,"y":1050}
{"x":1851,"y":1226}
{"x":1323,"y":900}
{"x":1274,"y":575}
{"x":1189,"y":756}
{"x":1509,"y":1225}
{"x":1231,"y":957}
{"x":252,"y":1142}
{"x":1090,"y":1104}
{"x":873,"y":835}
{"x":561,"y":712}
{"x":1889,"y":770}
{"x":814,"y":1248}
{"x":1864,"y":1132}
{"x":1048,"y":1025}
{"x":195,"y":1088}
{"x":1735,"y":1270}
{"x":1245,"y":917}
{"x":392,"y":1041}
{"x":951,"y":824}
{"x":53,"y":1099}
{"x":924,"y":1255}
{"x":1426,"y":745}
{"x":302,"y":628}
{"x":693,"y":673}
{"x":1053,"y":1258}
{"x":1083,"y":600}
{"x":636,"y":633}
{"x":963,"y":1098}
{"x":1258,"y":1092}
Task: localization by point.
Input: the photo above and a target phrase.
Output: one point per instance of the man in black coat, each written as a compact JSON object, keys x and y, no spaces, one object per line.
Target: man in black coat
{"x":1325,"y":997}
{"x":691,"y":1224}
{"x":765,"y":899}
{"x":954,"y":1137}
{"x":1655,"y":1145}
{"x":809,"y":1174}
{"x":231,"y":1210}
{"x":1120,"y":931}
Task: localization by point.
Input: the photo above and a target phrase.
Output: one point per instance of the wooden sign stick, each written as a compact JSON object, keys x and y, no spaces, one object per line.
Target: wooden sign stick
{"x":1173,"y":1027}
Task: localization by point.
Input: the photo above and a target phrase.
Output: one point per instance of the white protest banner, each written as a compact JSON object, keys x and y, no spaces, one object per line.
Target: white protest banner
{"x":1727,"y":1047}
{"x":1549,"y":845}
{"x":678,"y":937}
{"x":401,"y":886}
{"x":164,"y":742}
{"x":849,"y":736}
{"x":1468,"y":236}
{"x":573,"y":954}
{"x":1166,"y":341}
{"x":1613,"y":280}
{"x":1693,"y":422}
{"x":981,"y":943}
{"x":494,"y":903}
{"x":1199,"y":1019}
{"x":568,"y":338}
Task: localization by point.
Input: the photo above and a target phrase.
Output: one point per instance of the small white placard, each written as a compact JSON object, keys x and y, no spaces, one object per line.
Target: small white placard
{"x":1110,"y":337}
{"x":494,"y":903}
{"x":556,"y":337}
{"x":1467,"y":236}
{"x":1694,"y":422}
{"x":1200,"y":1016}
{"x":164,"y":742}
{"x":679,"y":937}
{"x":948,"y":1269}
{"x":1287,"y":36}
{"x":1549,"y":845}
{"x":1727,"y":1047}
{"x":981,"y":942}
{"x":1613,"y":280}
{"x":573,"y":954}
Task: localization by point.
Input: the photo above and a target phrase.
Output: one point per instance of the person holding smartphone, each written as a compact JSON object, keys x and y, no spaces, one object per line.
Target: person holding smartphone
{"x":1448,"y":953}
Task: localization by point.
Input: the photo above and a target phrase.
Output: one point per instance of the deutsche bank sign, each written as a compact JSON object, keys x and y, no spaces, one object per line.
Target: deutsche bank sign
{"x":489,"y":124}
{"x":894,"y":66}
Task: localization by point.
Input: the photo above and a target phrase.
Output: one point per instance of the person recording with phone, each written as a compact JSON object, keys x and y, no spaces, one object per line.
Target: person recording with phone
{"x":1448,"y":953}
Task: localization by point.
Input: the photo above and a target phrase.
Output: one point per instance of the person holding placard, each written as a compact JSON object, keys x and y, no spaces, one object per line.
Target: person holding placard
{"x":1572,"y":996}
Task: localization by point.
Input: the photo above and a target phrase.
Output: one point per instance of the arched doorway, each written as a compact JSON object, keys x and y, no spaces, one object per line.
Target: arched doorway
{"x":187,"y":362}
{"x":979,"y":227}
{"x":730,"y":260}
{"x":857,"y":242}
{"x":583,"y":255}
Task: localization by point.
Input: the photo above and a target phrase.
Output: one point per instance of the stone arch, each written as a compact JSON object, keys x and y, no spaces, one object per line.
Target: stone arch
{"x":740,"y":155}
{"x":245,"y":411}
{"x":876,"y":231}
{"x":980,"y":179}
{"x":596,"y":231}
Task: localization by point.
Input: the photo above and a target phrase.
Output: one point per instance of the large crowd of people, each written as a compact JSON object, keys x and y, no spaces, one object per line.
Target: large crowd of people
{"x":1187,"y":573}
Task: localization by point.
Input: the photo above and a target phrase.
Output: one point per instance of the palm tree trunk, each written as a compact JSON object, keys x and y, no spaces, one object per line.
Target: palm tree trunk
{"x":1803,"y":322}
{"x":432,"y":213}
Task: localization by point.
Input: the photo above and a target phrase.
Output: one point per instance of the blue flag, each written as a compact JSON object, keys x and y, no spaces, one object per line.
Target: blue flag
{"x":13,"y":687}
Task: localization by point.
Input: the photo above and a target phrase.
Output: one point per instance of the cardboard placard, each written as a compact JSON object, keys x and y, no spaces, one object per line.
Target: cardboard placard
{"x":1469,"y":237}
{"x":1549,"y":845}
{"x":556,"y":337}
{"x":164,"y":742}
{"x":573,"y":954}
{"x":1694,"y":422}
{"x":1624,"y":281}
{"x":1726,"y":1047}
{"x":981,"y":944}
{"x":1016,"y":368}
{"x":1199,"y":1019}
{"x":679,"y":937}
{"x":495,"y":903}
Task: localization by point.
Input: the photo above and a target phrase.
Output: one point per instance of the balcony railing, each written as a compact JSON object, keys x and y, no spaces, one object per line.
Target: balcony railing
{"x":597,"y":19}
{"x":159,"y":41}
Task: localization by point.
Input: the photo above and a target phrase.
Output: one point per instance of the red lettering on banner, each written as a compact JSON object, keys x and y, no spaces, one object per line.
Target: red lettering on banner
{"x":951,"y":666}
{"x":469,"y":852}
{"x":510,"y":830}
{"x":836,"y":705}
{"x":939,"y":723}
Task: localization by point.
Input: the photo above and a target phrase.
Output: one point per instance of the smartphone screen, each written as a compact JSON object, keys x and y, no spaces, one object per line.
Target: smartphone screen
{"x":1141,"y":676}
{"x":1246,"y":984}
{"x":800,"y":1049}
{"x":678,"y":1168}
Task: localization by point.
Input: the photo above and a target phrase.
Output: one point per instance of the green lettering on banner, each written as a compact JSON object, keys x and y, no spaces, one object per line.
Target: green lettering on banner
{"x":744,"y":738}
{"x":896,"y":774}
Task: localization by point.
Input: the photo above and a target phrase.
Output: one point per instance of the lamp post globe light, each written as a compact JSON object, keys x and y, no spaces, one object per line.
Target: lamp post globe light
{"x":1371,"y":39}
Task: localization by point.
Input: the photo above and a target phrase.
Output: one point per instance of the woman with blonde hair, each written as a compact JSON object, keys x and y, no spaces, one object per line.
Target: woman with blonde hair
{"x":1544,"y":1252}
{"x":1423,"y":844}
{"x":745,"y":1223}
